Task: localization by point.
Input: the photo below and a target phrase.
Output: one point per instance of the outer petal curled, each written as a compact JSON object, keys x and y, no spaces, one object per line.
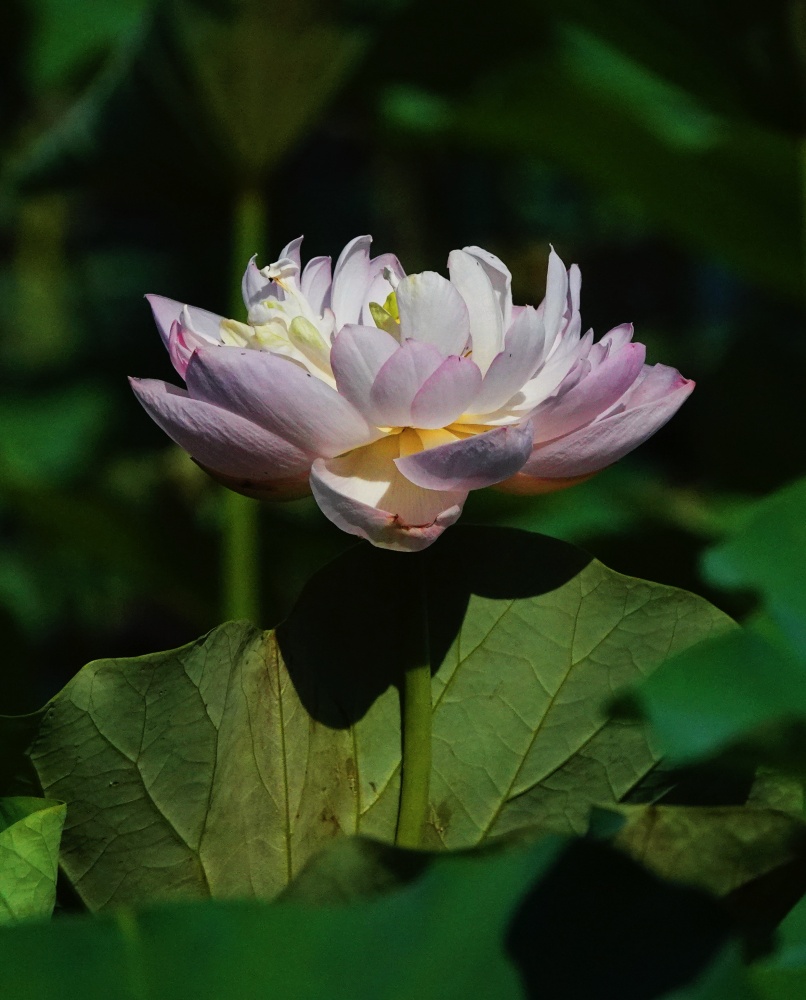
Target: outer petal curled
{"x":610,"y":438}
{"x":472,"y":463}
{"x":228,"y":446}
{"x":363,"y":494}
{"x":280,"y":396}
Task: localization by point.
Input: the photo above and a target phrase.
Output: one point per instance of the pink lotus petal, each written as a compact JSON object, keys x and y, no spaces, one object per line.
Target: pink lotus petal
{"x":165,"y":312}
{"x":181,"y":345}
{"x":315,"y":284}
{"x":515,"y":365}
{"x":446,"y":394}
{"x":254,"y":285}
{"x":203,"y":322}
{"x":656,"y":381}
{"x":221,"y":441}
{"x":486,"y":321}
{"x":618,"y":336}
{"x":605,"y":441}
{"x":291,"y":251}
{"x":279,"y":395}
{"x":500,"y":279}
{"x":528,"y":486}
{"x":473,"y":462}
{"x":182,"y":340}
{"x":574,"y":287}
{"x":400,"y":379}
{"x":364,"y":494}
{"x":591,"y":396}
{"x":433,"y":312}
{"x":556,"y":295}
{"x":357,"y":356}
{"x":350,"y":280}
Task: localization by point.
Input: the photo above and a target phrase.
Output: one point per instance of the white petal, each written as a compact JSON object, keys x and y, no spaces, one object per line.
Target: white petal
{"x":515,"y":365}
{"x":486,"y":321}
{"x":556,"y":294}
{"x":350,"y":280}
{"x":500,"y":279}
{"x":433,"y":312}
{"x":315,"y":284}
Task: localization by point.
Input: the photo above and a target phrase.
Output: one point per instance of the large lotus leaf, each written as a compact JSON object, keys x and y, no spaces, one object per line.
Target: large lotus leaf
{"x":220,"y":768}
{"x":29,"y":856}
{"x":554,"y":920}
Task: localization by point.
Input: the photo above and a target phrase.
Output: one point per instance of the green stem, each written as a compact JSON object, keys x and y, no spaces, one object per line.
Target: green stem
{"x":240,"y":532}
{"x":416,"y":712}
{"x":240,"y":570}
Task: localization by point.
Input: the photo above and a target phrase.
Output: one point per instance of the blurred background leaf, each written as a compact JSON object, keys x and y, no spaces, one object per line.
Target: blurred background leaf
{"x":575,"y":919}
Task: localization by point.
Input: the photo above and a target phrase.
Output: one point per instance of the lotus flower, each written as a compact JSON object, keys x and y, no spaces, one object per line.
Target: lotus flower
{"x":390,"y":397}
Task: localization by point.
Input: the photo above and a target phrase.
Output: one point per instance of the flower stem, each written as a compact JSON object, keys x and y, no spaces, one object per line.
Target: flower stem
{"x":240,"y":531}
{"x":240,"y":573}
{"x":416,"y":715}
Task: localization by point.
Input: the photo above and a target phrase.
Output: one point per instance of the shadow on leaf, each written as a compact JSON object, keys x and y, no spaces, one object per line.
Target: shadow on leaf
{"x":345,"y":642}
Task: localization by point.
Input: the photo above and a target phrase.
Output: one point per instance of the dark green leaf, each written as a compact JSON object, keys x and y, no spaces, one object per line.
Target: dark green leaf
{"x":29,"y":857}
{"x":721,"y":693}
{"x":31,"y":454}
{"x":767,"y":554}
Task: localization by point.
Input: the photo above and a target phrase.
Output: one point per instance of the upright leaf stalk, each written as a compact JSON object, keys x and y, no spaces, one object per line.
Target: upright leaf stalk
{"x":240,"y":533}
{"x":416,"y":712}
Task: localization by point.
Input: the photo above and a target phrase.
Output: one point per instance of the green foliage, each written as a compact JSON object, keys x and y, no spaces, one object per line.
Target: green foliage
{"x":29,"y":854}
{"x":767,"y":554}
{"x":747,"y":688}
{"x":67,"y":36}
{"x":713,"y":695}
{"x":558,"y":918}
{"x":782,"y":976}
{"x":408,"y":944}
{"x":261,"y":747}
